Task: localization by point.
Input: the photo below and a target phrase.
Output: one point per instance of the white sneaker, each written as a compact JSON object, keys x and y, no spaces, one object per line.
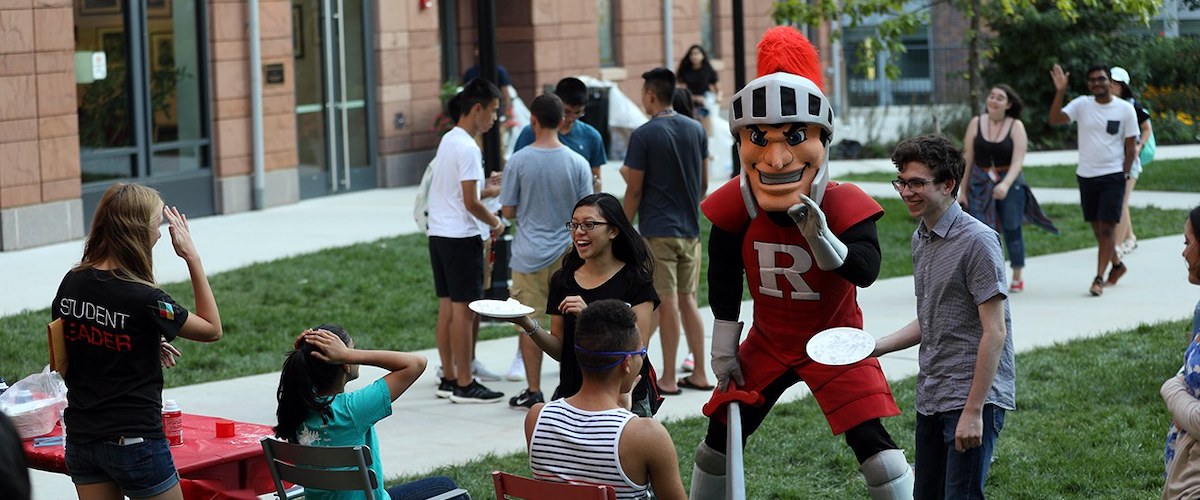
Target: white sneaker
{"x":516,"y":372}
{"x":482,"y":373}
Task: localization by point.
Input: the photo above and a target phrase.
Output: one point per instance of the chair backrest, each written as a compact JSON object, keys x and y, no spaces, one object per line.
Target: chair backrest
{"x":510,"y":486}
{"x":321,"y":467}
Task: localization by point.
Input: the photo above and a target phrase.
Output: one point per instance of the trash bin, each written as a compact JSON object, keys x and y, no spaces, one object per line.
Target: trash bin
{"x":596,"y":114}
{"x":501,"y":277}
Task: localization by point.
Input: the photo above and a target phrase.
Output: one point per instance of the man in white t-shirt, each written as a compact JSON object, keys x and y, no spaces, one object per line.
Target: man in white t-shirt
{"x":542,"y":183}
{"x":458,"y":224}
{"x":1108,"y":132}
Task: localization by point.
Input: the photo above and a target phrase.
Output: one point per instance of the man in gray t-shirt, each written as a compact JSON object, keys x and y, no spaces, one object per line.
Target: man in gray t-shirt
{"x":542,"y":183}
{"x":967,"y":376}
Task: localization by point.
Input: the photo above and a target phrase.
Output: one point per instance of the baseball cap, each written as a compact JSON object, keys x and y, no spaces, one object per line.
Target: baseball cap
{"x":1119,"y":74}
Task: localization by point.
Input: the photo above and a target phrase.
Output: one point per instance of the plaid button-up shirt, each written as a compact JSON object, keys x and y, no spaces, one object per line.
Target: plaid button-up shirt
{"x":957,"y":265}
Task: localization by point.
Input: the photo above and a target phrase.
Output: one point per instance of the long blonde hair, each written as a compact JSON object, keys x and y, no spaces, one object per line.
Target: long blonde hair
{"x":123,"y":232}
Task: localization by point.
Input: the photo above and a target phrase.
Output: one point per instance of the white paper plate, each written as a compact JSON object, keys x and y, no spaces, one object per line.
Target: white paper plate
{"x":840,"y":346}
{"x":510,"y":308}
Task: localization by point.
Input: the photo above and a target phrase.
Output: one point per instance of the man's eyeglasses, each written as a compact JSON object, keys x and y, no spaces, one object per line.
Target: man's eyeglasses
{"x":1099,"y":79}
{"x":587,"y":226}
{"x":622,"y":355}
{"x":577,"y":113}
{"x":912,"y":184}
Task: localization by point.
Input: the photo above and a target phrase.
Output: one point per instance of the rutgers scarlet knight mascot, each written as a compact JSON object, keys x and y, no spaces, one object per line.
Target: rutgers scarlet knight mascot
{"x":803,"y":243}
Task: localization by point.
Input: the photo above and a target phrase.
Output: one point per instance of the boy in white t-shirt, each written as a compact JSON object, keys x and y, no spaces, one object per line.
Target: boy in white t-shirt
{"x":458,"y":224}
{"x":1107,"y":147}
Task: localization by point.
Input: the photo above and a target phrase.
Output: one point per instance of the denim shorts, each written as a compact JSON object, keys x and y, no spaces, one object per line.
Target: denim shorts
{"x":140,"y":470}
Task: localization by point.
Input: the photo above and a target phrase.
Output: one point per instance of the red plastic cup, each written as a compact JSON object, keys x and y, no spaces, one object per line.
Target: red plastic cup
{"x":225,"y":429}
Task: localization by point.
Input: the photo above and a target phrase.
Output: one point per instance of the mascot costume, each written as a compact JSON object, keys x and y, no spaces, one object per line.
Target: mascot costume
{"x":803,"y":244}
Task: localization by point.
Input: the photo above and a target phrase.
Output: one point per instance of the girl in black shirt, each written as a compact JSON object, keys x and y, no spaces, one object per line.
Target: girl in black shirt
{"x":117,"y":324}
{"x":609,"y":260}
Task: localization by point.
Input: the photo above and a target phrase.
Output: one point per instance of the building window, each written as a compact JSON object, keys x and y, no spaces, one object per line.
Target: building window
{"x":708,"y":33}
{"x":605,"y":14}
{"x":915,"y":85}
{"x":147,"y":119}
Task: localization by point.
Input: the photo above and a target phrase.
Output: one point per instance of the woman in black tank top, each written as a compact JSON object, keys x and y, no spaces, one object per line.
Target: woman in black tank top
{"x":996,"y":192}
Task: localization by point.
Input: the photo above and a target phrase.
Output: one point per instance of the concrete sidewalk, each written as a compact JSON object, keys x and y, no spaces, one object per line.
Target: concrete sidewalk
{"x":426,"y":432}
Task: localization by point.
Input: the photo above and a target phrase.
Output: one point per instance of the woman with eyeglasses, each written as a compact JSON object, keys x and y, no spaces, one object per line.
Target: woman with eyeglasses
{"x":609,"y":260}
{"x":996,"y":193}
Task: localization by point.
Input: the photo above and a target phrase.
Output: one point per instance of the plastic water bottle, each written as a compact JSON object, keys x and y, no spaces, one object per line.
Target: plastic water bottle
{"x":172,"y":418}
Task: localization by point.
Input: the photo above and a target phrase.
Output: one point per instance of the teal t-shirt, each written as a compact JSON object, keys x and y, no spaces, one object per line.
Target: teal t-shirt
{"x":583,"y":139}
{"x":352,"y":424}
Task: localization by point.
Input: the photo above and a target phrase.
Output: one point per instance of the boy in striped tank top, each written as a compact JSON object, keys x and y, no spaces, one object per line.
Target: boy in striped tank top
{"x":589,"y":437}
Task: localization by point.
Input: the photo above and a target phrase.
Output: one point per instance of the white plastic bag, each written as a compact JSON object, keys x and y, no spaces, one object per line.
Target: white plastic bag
{"x":33,"y":403}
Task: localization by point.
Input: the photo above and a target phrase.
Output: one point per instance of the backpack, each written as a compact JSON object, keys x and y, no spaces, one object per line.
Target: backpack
{"x":421,"y":204}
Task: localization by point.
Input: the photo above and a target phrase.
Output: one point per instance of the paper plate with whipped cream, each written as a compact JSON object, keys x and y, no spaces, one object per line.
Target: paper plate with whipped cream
{"x":510,"y":308}
{"x":840,"y":346}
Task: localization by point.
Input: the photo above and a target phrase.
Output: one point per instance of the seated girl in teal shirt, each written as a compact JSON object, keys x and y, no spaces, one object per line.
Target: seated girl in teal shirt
{"x":315,"y":410}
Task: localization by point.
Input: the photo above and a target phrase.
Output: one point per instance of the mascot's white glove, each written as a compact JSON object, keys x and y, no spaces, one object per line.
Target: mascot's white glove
{"x":827,"y":249}
{"x":726,"y":335}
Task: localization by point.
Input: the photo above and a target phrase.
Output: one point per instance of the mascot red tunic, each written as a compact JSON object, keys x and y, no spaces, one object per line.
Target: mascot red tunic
{"x":803,"y":244}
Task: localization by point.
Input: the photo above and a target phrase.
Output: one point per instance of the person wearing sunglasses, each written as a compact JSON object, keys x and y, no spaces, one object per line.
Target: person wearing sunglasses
{"x":1108,"y":132}
{"x":590,"y":437}
{"x":608,"y":260}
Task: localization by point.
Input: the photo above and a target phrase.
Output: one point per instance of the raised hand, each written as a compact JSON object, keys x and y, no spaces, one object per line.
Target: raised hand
{"x":181,"y":235}
{"x":1059,"y":77}
{"x":329,"y":348}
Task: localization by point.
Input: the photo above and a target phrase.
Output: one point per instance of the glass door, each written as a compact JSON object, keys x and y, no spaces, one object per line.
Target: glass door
{"x":333,"y":111}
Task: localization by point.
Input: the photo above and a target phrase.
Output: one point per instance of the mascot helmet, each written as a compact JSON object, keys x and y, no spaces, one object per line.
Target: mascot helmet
{"x":788,"y":90}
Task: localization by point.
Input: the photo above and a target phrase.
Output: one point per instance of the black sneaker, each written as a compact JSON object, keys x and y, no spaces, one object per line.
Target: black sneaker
{"x":446,"y":387}
{"x":475,"y":393}
{"x":526,"y":399}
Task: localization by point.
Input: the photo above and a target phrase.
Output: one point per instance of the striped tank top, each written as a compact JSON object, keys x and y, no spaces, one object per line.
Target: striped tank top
{"x":580,"y":446}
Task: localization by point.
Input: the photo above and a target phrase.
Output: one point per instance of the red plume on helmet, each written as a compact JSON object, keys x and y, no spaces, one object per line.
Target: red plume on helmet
{"x":783,"y":49}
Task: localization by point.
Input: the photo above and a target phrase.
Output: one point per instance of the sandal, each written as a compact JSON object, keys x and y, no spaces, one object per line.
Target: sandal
{"x":1097,"y":287}
{"x":686,"y":383}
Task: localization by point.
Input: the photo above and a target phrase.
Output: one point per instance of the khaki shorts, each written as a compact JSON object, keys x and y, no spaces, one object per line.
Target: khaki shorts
{"x":533,"y":289}
{"x":676,"y":264}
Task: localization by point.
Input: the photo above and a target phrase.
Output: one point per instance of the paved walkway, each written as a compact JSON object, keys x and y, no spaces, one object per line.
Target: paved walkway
{"x":426,"y":432}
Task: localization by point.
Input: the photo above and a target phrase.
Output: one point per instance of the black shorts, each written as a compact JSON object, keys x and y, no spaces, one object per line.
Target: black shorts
{"x":1101,"y":197}
{"x":457,"y":267}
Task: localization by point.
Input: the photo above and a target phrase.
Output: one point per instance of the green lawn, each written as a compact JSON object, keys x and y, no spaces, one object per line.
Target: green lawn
{"x":1090,"y":425}
{"x":1166,"y":175}
{"x":382,"y":293}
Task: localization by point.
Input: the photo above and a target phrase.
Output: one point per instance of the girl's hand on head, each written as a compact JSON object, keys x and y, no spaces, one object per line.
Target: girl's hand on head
{"x":573,"y":304}
{"x":329,"y":348}
{"x":181,"y":234}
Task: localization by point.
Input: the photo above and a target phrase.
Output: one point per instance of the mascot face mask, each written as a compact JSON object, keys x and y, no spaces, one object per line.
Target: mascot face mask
{"x":779,"y":162}
{"x":783,"y":124}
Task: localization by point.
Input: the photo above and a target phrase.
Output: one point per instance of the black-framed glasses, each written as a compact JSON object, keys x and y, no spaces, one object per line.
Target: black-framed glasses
{"x":567,"y":112}
{"x":916,"y":184}
{"x":642,"y":352}
{"x":587,"y":226}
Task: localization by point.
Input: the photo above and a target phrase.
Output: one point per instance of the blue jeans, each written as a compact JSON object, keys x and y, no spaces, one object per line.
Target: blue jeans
{"x":942,"y":472}
{"x":422,"y":488}
{"x":1012,"y":213}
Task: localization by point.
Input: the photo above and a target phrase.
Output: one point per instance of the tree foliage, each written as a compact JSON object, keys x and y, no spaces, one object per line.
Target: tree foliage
{"x":1029,"y":44}
{"x":893,"y":19}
